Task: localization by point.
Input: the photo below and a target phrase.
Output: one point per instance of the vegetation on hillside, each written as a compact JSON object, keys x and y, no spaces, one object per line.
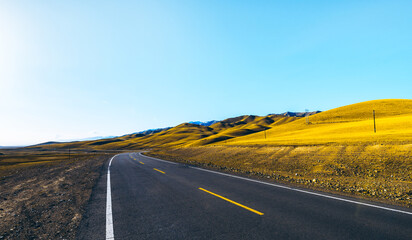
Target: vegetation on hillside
{"x":345,"y":125}
{"x":336,"y":150}
{"x":185,"y":134}
{"x":349,"y":124}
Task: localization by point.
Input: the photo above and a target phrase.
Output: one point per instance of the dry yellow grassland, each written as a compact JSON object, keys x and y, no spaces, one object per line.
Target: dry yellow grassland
{"x":337,"y":151}
{"x":349,"y":124}
{"x":381,"y":172}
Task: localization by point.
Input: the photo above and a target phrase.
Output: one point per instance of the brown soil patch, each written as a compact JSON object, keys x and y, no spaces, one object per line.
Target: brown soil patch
{"x":45,"y":199}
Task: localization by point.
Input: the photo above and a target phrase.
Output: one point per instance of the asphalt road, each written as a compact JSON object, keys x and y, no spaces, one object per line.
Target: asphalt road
{"x":154,"y":199}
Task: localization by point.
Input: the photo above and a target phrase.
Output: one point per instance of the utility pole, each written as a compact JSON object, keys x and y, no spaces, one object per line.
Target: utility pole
{"x":265,"y":133}
{"x":307,"y":116}
{"x":374,"y":122}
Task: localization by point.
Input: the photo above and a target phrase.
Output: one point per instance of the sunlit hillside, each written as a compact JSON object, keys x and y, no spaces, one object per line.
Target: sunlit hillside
{"x":188,"y":134}
{"x":176,"y":136}
{"x":241,"y":126}
{"x":185,"y":134}
{"x":349,"y":124}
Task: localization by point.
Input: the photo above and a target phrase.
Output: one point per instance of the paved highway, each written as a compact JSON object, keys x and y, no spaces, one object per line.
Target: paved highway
{"x":147,"y":198}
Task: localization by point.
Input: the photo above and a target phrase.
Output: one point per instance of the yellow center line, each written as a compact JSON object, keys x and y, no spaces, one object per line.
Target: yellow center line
{"x":238,"y":204}
{"x":159,"y":170}
{"x":141,"y":162}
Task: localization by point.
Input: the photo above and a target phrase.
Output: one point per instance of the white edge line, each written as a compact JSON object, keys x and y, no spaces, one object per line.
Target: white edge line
{"x":289,"y":188}
{"x":157,"y":159}
{"x":307,"y":192}
{"x":109,"y":216}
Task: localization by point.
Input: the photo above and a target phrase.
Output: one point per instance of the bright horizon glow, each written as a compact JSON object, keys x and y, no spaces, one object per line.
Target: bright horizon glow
{"x":78,"y":69}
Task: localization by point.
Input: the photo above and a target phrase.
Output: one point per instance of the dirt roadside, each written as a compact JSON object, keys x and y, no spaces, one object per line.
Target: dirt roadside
{"x":47,"y":200}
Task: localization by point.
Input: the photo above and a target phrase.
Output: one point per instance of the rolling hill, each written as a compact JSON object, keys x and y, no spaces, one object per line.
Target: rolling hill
{"x":348,"y":124}
{"x":185,"y":134}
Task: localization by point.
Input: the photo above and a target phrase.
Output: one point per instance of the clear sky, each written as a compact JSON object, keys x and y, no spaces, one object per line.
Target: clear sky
{"x":75,"y":69}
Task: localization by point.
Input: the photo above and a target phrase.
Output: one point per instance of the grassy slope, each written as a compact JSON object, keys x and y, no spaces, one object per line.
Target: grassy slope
{"x":185,"y":134}
{"x":241,"y":126}
{"x":348,"y":124}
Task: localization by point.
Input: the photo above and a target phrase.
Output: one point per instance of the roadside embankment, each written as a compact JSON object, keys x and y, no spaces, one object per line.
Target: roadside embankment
{"x":373,"y":171}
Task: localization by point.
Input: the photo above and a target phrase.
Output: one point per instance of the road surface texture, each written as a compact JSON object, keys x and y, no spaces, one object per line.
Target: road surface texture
{"x":148,"y":198}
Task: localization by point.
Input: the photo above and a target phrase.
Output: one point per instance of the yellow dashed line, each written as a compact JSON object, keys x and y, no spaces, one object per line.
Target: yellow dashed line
{"x":158,"y":170}
{"x":238,"y":204}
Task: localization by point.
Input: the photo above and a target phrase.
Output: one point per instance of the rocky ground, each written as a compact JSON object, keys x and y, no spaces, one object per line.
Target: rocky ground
{"x":45,"y":199}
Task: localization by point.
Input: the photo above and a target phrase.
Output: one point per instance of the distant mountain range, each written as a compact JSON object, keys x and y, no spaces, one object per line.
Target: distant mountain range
{"x":299,"y":114}
{"x":208,"y":123}
{"x":156,"y":130}
{"x":95,"y":138}
{"x":76,"y":140}
{"x":10,"y":147}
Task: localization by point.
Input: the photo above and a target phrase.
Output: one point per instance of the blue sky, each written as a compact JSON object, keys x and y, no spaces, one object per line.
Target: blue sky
{"x":75,"y":69}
